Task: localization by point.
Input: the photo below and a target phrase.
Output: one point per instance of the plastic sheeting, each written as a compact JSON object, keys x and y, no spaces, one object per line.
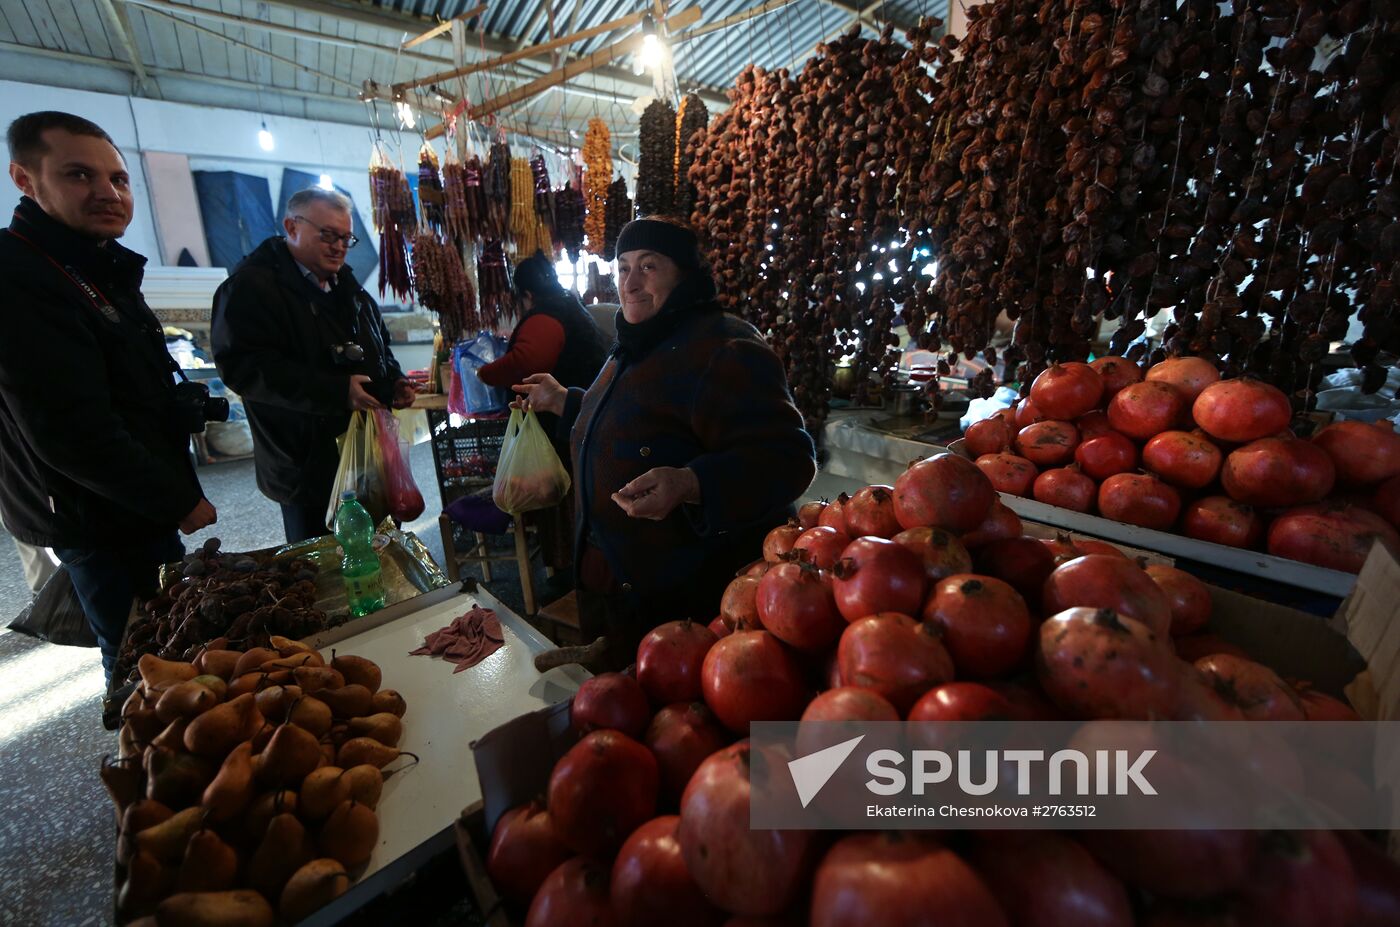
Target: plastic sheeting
{"x":237,"y":212}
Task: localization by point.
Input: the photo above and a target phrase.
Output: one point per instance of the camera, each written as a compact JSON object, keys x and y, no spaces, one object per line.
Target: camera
{"x":347,"y":354}
{"x":194,"y":406}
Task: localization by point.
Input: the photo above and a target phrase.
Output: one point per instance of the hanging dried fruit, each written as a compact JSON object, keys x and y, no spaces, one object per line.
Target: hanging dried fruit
{"x":618,"y":214}
{"x":656,"y":168}
{"x":430,"y":191}
{"x":597,"y":161}
{"x":396,"y":220}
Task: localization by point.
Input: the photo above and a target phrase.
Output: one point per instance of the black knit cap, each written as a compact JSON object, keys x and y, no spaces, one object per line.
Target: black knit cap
{"x":674,"y":241}
{"x":536,"y":275}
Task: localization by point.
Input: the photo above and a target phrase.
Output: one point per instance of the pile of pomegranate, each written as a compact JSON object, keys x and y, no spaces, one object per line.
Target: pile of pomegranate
{"x":1180,"y":449}
{"x":920,"y":601}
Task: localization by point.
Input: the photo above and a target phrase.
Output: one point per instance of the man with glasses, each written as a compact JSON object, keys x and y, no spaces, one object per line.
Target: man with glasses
{"x":302,"y":342}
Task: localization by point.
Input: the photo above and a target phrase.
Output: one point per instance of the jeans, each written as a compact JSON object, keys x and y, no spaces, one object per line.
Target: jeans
{"x":107,"y":579}
{"x":303,"y":522}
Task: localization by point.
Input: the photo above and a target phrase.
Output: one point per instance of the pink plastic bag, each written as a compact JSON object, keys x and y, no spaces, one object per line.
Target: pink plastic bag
{"x":404,"y":499}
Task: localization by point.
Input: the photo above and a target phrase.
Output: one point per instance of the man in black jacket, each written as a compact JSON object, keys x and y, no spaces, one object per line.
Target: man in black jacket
{"x":302,"y":342}
{"x":94,"y":459}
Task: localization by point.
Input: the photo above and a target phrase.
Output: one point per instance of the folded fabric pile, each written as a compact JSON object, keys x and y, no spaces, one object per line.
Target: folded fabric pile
{"x":468,"y":640}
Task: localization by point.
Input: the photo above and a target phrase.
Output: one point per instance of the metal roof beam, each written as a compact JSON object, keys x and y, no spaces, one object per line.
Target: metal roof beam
{"x":122,"y":27}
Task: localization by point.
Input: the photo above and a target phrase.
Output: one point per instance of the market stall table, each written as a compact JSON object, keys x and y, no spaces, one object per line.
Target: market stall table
{"x":446,"y":712}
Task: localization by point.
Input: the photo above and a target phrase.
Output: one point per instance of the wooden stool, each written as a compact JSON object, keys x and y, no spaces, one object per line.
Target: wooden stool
{"x":480,"y":553}
{"x":562,"y":615}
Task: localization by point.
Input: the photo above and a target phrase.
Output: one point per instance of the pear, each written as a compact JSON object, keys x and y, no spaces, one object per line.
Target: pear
{"x":216,"y":684}
{"x":295,"y":661}
{"x":349,"y":701}
{"x":263,"y":809}
{"x":217,"y":663}
{"x":173,"y":736}
{"x":175,"y":778}
{"x":366,"y":784}
{"x":237,"y":908}
{"x":125,"y":781}
{"x":233,"y":788}
{"x":139,"y":815}
{"x":350,"y":834}
{"x":289,"y":756}
{"x":359,"y":750}
{"x":313,"y":679}
{"x":129,"y":746}
{"x":285,"y":646}
{"x":210,"y":865}
{"x":383,"y":727}
{"x":252,"y":659}
{"x":312,"y":714}
{"x":311,"y":888}
{"x":145,"y":723}
{"x":185,"y":700}
{"x":284,"y":849}
{"x":147,"y":881}
{"x":253,"y":682}
{"x":275,"y":701}
{"x":158,"y":675}
{"x":357,"y":671}
{"x":167,"y":840}
{"x":390,"y":701}
{"x":321,"y":791}
{"x":220,"y":729}
{"x":136,"y":700}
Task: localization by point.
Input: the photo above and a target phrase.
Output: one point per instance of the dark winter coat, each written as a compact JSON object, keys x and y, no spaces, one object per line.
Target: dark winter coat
{"x":91,"y":453}
{"x":272,"y":333}
{"x":711,"y":396}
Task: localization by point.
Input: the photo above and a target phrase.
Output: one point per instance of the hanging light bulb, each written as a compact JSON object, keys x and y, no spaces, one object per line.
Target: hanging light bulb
{"x":265,"y":140}
{"x":405,"y":113}
{"x":325,"y":183}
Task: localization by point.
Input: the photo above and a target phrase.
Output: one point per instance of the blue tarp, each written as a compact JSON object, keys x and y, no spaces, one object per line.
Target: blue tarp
{"x":363,"y":258}
{"x":237,"y":213}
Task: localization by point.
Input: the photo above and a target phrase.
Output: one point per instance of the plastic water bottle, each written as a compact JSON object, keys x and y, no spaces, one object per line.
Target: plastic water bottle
{"x":355,"y":531}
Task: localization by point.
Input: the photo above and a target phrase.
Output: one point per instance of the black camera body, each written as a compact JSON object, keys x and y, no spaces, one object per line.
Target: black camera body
{"x":194,"y":406}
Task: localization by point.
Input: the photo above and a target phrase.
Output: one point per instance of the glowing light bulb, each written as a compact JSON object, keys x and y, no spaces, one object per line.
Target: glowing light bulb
{"x":265,"y":140}
{"x":405,"y":113}
{"x":651,"y":51}
{"x":325,"y":183}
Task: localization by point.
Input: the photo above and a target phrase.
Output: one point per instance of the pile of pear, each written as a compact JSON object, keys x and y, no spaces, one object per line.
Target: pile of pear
{"x":246,"y":784}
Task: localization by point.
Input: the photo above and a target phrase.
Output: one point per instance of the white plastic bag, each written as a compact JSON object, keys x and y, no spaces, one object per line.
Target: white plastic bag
{"x":529,"y":475}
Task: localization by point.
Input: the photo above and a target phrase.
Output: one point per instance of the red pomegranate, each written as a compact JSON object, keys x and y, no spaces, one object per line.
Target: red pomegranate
{"x":669,"y":660}
{"x":1318,"y":706}
{"x":1094,"y":663}
{"x":989,"y":436}
{"x":1188,"y":597}
{"x":1253,"y":687}
{"x":1065,"y":391}
{"x":742,"y":870}
{"x":963,"y":701}
{"x":1333,"y":535}
{"x":1364,"y":453}
{"x":1008,"y":473}
{"x":524,"y":851}
{"x":750,"y":676}
{"x":1222,"y":520}
{"x":1139,"y":499}
{"x":719,"y":629}
{"x":1000,"y":523}
{"x":681,"y":737}
{"x":836,"y":710}
{"x":1387,"y":500}
{"x":1241,"y":410}
{"x":1045,"y":878}
{"x":1066,"y":487}
{"x":1028,"y":702}
{"x":899,"y":879}
{"x":1179,"y":864}
{"x":834,"y":514}
{"x":1065,"y":548}
{"x":1023,"y":562}
{"x":940,"y":552}
{"x":1116,"y":373}
{"x":610,"y":701}
{"x":1092,"y":424}
{"x":754,"y":568}
{"x":779,"y":541}
{"x":1106,"y":455}
{"x":1189,"y":375}
{"x":1191,"y":647}
{"x":1144,"y":409}
{"x":944,"y":491}
{"x":737,"y":606}
{"x":822,"y":546}
{"x":894,"y":656}
{"x":1377,"y":882}
{"x":1047,"y":443}
{"x":1027,"y":413}
{"x":809,"y":514}
{"x":1103,"y":581}
{"x":985,"y":623}
{"x":1274,"y":472}
{"x":1182,"y":459}
{"x":877,"y":575}
{"x":650,"y":884}
{"x":871,"y":513}
{"x":601,"y":790}
{"x":796,"y":605}
{"x":1299,"y":879}
{"x":574,"y":895}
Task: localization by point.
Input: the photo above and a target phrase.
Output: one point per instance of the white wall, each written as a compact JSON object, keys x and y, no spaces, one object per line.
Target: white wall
{"x":214,"y":140}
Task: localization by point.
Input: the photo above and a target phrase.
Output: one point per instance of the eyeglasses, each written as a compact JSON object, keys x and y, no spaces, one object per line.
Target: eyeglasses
{"x":329,"y":236}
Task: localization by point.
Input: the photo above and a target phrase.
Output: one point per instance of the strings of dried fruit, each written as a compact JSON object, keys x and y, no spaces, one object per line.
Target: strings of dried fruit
{"x":493,"y":282}
{"x":444,"y":288}
{"x":691,"y":121}
{"x":496,"y":191}
{"x":457,"y":214}
{"x":431,"y":199}
{"x":618,"y":213}
{"x":544,"y":193}
{"x":569,"y":212}
{"x":526,"y":231}
{"x":656,"y":168}
{"x":597,"y":160}
{"x":395,"y":218}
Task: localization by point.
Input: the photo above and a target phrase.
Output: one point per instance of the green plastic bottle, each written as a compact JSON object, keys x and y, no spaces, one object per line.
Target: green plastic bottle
{"x":355,"y":531}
